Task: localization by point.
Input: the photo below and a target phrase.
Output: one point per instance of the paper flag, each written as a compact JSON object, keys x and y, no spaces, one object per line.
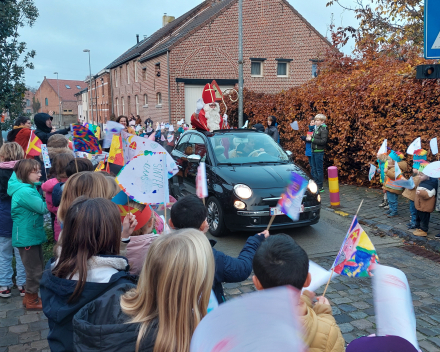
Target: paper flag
{"x":393,"y":304}
{"x":416,"y":144}
{"x":291,"y":200}
{"x":294,"y":125}
{"x":142,"y":217}
{"x":432,"y":170}
{"x":397,"y":170}
{"x":34,"y":145}
{"x":319,"y":276}
{"x":171,"y":128}
{"x":408,"y":184}
{"x":85,"y":141}
{"x":144,"y":178}
{"x":383,"y":148}
{"x":115,"y":155}
{"x":371,"y":172}
{"x":357,"y":256}
{"x":434,"y":146}
{"x":170,"y":138}
{"x":201,"y":183}
{"x":143,"y":144}
{"x":121,"y":198}
{"x":111,"y":129}
{"x":259,"y":321}
{"x":45,"y":154}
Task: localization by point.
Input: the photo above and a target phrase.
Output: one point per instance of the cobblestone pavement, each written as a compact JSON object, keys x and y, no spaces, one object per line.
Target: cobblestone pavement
{"x":351,"y":197}
{"x":352,"y":299}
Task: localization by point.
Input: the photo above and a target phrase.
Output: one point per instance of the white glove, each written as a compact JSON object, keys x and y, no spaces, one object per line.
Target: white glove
{"x":225,"y":118}
{"x":200,"y":105}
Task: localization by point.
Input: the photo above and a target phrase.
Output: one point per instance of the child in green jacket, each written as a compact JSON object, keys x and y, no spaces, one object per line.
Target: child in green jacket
{"x":28,"y":234}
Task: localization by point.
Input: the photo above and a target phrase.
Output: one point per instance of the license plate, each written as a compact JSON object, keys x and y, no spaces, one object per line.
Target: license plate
{"x":276,"y":211}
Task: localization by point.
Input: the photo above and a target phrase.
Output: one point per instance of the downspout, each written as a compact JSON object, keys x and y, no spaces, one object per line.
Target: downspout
{"x":111,"y":92}
{"x":169,"y":87}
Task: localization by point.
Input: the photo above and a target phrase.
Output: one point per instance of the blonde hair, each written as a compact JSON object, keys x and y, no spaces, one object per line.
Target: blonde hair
{"x":174,"y":287}
{"x":11,"y":151}
{"x":86,"y":183}
{"x":57,"y":141}
{"x":113,"y":186}
{"x":321,"y":117}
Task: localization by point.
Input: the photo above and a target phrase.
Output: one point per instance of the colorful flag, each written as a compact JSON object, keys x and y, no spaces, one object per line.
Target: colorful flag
{"x":142,"y":217}
{"x":45,"y":154}
{"x":144,"y":178}
{"x":85,"y":141}
{"x":357,"y":256}
{"x":371,"y":172}
{"x":34,"y":145}
{"x":291,"y":200}
{"x":201,"y":183}
{"x":115,"y":155}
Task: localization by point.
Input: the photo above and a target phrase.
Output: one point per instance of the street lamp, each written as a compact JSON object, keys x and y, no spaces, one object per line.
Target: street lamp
{"x":59,"y":101}
{"x":41,"y":106}
{"x":90,"y":84}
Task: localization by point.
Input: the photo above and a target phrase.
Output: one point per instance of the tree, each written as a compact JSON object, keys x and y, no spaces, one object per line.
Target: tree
{"x":35,"y":105}
{"x":395,"y":22}
{"x":14,"y":57}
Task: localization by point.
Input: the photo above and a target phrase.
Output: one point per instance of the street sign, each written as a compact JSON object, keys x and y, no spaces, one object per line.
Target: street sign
{"x":432,"y":29}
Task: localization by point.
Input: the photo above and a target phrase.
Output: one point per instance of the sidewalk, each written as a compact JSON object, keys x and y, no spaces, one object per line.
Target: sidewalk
{"x":373,"y":215}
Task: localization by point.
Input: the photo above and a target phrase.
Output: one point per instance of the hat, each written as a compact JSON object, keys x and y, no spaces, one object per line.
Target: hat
{"x":142,"y":217}
{"x":420,"y":154}
{"x":422,"y":166}
{"x":396,"y":156}
{"x":380,"y":344}
{"x":208,"y":94}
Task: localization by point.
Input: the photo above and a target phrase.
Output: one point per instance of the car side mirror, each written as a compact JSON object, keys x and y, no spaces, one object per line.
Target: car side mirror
{"x":289,"y":153}
{"x":194,"y":158}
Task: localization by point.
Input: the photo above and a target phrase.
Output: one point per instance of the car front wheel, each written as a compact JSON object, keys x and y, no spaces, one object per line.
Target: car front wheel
{"x":216,"y":221}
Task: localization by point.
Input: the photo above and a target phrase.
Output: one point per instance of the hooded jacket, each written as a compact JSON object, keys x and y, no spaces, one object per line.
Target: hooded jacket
{"x":411,"y":193}
{"x":259,"y":127}
{"x":319,"y":138}
{"x":48,"y":187}
{"x":5,"y":200}
{"x":391,"y":177}
{"x":27,"y":210}
{"x":21,"y":135}
{"x":321,"y":332}
{"x":229,"y":269}
{"x":425,"y":200}
{"x":272,"y":130}
{"x":43,"y":132}
{"x":55,"y":293}
{"x":102,"y":326}
{"x":137,"y":250}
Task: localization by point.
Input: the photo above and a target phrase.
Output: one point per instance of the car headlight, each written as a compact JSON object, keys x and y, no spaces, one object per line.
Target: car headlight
{"x":313,"y":187}
{"x":244,"y":192}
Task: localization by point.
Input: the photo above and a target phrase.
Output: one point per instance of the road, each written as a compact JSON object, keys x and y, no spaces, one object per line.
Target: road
{"x":318,"y":240}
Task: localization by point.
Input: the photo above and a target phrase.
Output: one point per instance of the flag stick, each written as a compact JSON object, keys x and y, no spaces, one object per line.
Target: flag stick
{"x":270,"y":222}
{"x":333,"y":269}
{"x":76,"y":164}
{"x":203,"y":199}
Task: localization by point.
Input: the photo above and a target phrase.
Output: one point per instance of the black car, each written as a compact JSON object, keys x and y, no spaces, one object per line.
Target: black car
{"x":246,"y":174}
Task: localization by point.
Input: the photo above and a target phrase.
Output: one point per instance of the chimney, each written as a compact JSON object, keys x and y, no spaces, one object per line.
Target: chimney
{"x":137,"y":38}
{"x":167,"y":19}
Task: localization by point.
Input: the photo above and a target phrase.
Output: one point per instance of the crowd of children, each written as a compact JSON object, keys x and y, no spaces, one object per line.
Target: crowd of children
{"x":123,"y":282}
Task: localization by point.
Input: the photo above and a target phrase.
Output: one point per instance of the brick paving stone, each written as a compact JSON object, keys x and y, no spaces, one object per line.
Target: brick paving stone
{"x":40,"y":344}
{"x":361,"y":305}
{"x":362,"y":324}
{"x":349,"y":337}
{"x":428,"y":346}
{"x":29,"y":336}
{"x":17,"y":329}
{"x":347,"y":307}
{"x":426,"y":331}
{"x":3,"y":331}
{"x":435,"y":341}
{"x":343,"y":318}
{"x":358,"y":315}
{"x":346,"y":327}
{"x":38,"y":325}
{"x":15,"y":312}
{"x":9,"y":339}
{"x":335,"y":310}
{"x":24,"y":319}
{"x":8,"y":321}
{"x":44,"y":334}
{"x":341,"y":300}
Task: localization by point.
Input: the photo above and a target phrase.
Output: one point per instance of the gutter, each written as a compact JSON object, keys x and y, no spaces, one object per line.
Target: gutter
{"x":169,"y":87}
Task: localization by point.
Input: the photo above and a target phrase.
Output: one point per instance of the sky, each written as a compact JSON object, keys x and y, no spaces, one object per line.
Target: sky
{"x":109,"y":27}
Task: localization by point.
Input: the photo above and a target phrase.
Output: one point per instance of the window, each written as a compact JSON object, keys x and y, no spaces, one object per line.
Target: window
{"x":145,"y":99}
{"x":159,"y":98}
{"x":28,"y":102}
{"x":78,"y":87}
{"x":183,"y":143}
{"x":135,"y":71}
{"x":116,"y":78}
{"x":144,"y":74}
{"x":102,"y":85}
{"x":117,"y":106}
{"x":137,"y":104}
{"x":123,"y":106}
{"x":46,"y":101}
{"x":314,"y":70}
{"x":67,"y":86}
{"x":282,"y":69}
{"x":198,"y":146}
{"x":128,"y":105}
{"x":256,"y":68}
{"x":127,"y":66}
{"x":28,"y":111}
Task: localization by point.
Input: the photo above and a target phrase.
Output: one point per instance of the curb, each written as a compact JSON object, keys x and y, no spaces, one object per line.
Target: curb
{"x":426,"y":242}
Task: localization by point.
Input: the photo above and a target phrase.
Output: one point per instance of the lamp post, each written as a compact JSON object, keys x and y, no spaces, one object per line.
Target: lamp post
{"x":41,"y":106}
{"x":240,"y":63}
{"x":90,"y":83}
{"x":59,"y":101}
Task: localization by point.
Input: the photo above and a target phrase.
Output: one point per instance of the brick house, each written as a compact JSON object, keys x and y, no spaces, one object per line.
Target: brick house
{"x":82,"y":100}
{"x":162,"y":76}
{"x":101,"y":96}
{"x":28,"y":97}
{"x":52,"y":103}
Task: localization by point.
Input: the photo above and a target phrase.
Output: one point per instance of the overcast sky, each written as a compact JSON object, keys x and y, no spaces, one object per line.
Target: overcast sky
{"x":109,"y":27}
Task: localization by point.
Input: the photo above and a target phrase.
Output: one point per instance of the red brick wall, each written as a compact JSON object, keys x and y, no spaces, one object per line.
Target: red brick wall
{"x":46,"y":91}
{"x":101,"y":93}
{"x":28,"y":95}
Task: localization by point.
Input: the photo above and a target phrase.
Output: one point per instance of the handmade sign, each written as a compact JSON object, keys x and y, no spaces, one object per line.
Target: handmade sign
{"x":120,"y":198}
{"x":431,"y":170}
{"x":357,"y":256}
{"x":416,"y":144}
{"x":144,"y":178}
{"x":115,"y":155}
{"x":408,"y":184}
{"x":371,"y":172}
{"x":393,"y":304}
{"x":112,"y":128}
{"x":201,"y":183}
{"x":142,"y":217}
{"x":85,"y":141}
{"x":34,"y":145}
{"x":45,"y":155}
{"x":143,"y":144}
{"x":383,"y":148}
{"x":260,"y":321}
{"x":291,"y":200}
{"x":170,"y":138}
{"x":434,"y":146}
{"x":294,"y":125}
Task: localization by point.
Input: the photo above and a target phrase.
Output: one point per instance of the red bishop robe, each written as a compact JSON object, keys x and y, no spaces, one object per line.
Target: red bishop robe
{"x":201,"y":123}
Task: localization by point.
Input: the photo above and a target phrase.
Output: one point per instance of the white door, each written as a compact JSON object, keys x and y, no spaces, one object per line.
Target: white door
{"x":192,"y":94}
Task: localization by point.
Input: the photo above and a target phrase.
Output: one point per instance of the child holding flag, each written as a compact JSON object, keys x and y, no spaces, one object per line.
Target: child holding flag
{"x":391,"y":188}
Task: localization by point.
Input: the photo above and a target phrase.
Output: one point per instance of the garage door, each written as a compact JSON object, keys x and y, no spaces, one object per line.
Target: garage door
{"x":192,"y":94}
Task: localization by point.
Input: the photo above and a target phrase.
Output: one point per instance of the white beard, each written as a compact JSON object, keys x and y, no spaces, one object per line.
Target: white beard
{"x":212,"y":117}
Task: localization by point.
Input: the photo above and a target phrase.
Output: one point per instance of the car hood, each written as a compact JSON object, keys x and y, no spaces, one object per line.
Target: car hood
{"x":260,"y":176}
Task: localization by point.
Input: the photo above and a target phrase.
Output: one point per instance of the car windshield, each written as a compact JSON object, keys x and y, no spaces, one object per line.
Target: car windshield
{"x":246,"y":148}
